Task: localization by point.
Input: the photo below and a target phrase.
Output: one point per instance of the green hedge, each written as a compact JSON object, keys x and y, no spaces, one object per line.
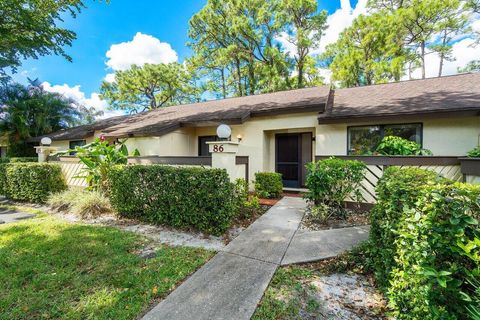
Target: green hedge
{"x":19,"y":159}
{"x":198,"y":198}
{"x":32,"y":182}
{"x":268,"y":184}
{"x":423,"y":243}
{"x":331,"y":181}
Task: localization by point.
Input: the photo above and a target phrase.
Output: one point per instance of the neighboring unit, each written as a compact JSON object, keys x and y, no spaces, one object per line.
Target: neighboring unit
{"x":283,"y":131}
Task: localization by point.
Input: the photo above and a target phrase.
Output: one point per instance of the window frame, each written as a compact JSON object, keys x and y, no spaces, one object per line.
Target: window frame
{"x":70,"y":145}
{"x":199,"y":144}
{"x":382,"y":131}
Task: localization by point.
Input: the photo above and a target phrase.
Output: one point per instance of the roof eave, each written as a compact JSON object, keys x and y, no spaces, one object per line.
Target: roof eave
{"x":457,"y":113}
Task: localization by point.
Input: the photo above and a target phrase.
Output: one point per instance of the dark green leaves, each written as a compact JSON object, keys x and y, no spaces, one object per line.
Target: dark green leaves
{"x":198,"y":198}
{"x":33,"y":182}
{"x":268,"y":184}
{"x":425,"y":244}
{"x":331,"y":181}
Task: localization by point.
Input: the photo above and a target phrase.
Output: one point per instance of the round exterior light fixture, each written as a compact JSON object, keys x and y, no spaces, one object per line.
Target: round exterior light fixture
{"x":46,"y":141}
{"x":224,"y":131}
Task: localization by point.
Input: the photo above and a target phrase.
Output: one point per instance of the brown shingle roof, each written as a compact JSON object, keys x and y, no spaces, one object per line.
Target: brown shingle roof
{"x":452,"y":95}
{"x":82,"y":132}
{"x":459,"y":94}
{"x":231,"y":110}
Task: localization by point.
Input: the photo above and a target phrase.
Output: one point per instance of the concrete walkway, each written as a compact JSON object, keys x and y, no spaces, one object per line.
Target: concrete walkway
{"x":9,"y":216}
{"x":232,"y":283}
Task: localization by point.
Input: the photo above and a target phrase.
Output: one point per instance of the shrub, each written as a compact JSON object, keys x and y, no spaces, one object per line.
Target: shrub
{"x":268,"y":184}
{"x":421,"y":225}
{"x":474,"y":153}
{"x":32,"y":181}
{"x":396,"y":191}
{"x":83,"y":203}
{"x":199,"y":198}
{"x":247,"y":205}
{"x":98,"y":157}
{"x":397,"y":146}
{"x":18,"y":159}
{"x":3,"y":161}
{"x":331,"y":181}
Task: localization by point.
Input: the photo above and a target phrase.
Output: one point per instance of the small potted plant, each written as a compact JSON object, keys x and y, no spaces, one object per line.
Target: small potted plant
{"x":471,"y":164}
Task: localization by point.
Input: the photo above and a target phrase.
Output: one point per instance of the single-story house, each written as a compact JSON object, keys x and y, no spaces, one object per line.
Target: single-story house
{"x":282,"y":131}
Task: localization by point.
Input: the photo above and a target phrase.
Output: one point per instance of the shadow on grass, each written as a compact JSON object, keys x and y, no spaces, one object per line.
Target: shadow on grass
{"x":52,"y":269}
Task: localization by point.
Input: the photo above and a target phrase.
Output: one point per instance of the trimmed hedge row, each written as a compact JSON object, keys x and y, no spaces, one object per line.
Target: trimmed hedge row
{"x":268,"y":184}
{"x":199,"y":198}
{"x":425,"y":243}
{"x":19,"y":159}
{"x":33,"y":182}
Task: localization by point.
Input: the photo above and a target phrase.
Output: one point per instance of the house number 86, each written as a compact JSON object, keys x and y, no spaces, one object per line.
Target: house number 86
{"x":218,"y":148}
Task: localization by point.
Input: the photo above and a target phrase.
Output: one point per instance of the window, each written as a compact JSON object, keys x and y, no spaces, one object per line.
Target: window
{"x":76,"y":143}
{"x":363,"y":140}
{"x":203,"y":146}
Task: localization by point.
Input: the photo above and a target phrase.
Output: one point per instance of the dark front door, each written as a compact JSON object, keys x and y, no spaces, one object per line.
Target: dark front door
{"x":293,"y":152}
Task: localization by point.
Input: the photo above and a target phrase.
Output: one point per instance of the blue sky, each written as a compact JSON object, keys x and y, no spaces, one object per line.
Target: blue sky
{"x":101,"y":25}
{"x":154,"y":31}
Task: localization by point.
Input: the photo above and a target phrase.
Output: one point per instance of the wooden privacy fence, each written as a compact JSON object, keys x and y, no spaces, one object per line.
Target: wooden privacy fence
{"x":448,"y":167}
{"x":72,"y":167}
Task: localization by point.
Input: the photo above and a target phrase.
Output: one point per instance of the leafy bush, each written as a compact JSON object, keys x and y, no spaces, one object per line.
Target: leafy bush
{"x":83,"y":203}
{"x":421,"y":225}
{"x":247,"y":204}
{"x":199,"y":198}
{"x":397,"y":146}
{"x":3,"y":161}
{"x":474,"y":153}
{"x":331,"y":181}
{"x":31,"y":181}
{"x":268,"y":184}
{"x":18,"y":159}
{"x":98,"y":157}
{"x":396,"y":191}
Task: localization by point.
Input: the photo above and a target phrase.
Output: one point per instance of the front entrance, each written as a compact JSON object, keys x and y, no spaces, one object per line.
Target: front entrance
{"x":293,"y":151}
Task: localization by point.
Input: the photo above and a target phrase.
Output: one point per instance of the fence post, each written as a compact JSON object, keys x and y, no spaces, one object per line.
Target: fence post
{"x":224,"y":155}
{"x":44,"y":151}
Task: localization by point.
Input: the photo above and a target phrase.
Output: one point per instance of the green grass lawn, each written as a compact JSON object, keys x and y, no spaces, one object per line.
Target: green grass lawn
{"x":51,"y":269}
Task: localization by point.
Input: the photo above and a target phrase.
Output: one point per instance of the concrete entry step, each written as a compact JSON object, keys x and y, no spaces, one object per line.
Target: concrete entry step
{"x":309,"y":246}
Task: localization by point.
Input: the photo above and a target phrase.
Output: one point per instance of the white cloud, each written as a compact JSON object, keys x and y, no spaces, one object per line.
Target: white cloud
{"x":142,"y":49}
{"x":339,"y":21}
{"x":463,"y":51}
{"x":110,"y":77}
{"x":79,"y":96}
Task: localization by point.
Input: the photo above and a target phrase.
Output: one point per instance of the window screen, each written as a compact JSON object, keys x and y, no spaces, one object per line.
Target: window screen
{"x":363,"y":140}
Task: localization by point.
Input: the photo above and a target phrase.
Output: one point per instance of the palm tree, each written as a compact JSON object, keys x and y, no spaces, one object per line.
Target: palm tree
{"x":30,"y":111}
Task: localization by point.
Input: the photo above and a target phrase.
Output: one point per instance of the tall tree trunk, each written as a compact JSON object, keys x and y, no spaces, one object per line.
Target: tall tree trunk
{"x":422,"y":57}
{"x":224,"y":88}
{"x":300,"y":73}
{"x":239,"y":75}
{"x":442,"y":54}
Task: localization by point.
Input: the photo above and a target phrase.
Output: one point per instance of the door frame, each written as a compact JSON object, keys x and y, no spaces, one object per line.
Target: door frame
{"x":301,"y":183}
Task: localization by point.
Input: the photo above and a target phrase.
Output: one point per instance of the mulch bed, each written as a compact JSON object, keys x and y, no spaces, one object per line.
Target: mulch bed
{"x":355,"y":218}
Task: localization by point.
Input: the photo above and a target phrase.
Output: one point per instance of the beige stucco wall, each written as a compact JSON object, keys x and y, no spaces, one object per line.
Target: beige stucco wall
{"x":178,"y":143}
{"x":444,"y":137}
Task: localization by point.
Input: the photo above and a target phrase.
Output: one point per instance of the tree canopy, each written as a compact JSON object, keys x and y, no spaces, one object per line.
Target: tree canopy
{"x":30,"y":111}
{"x":236,"y":45}
{"x":396,"y":37}
{"x":150,"y":87}
{"x":29,"y":29}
